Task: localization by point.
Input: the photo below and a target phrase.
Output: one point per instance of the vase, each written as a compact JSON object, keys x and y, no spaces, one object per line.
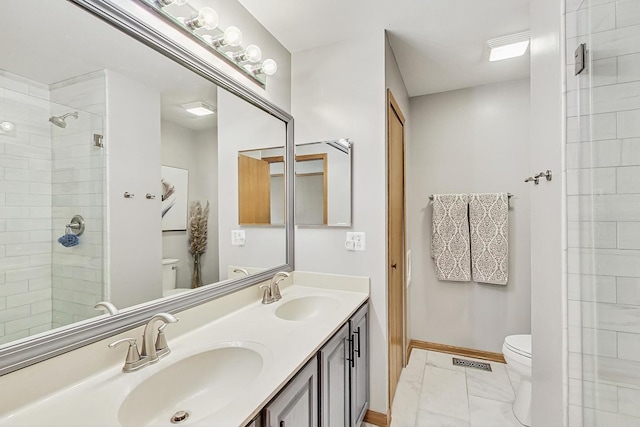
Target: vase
{"x":196,"y":279}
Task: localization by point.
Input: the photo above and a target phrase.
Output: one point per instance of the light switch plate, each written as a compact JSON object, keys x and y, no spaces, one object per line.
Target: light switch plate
{"x":237,"y":237}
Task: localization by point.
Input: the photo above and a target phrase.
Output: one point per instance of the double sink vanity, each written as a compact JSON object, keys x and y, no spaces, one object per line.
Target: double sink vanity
{"x":299,"y":361}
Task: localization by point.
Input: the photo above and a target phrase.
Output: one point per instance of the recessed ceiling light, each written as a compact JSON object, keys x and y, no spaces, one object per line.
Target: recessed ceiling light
{"x":198,"y":108}
{"x":508,"y":46}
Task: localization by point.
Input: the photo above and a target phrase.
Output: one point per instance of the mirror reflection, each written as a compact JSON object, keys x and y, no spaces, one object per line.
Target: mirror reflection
{"x":322,"y":185}
{"x":103,"y":127}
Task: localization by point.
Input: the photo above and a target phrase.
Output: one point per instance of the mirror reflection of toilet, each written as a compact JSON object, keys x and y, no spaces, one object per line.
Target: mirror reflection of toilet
{"x":169,"y":277}
{"x":517,"y":354}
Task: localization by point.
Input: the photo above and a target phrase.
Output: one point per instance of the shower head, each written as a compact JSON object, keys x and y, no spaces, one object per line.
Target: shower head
{"x":60,"y":120}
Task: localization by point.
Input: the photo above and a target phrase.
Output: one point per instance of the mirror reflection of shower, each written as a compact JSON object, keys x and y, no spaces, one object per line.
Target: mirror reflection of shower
{"x":60,"y":121}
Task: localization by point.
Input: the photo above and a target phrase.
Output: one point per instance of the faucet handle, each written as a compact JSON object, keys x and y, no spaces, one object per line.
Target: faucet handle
{"x":267,"y":298}
{"x":277,"y":296}
{"x":162,"y":348}
{"x":133,"y":355}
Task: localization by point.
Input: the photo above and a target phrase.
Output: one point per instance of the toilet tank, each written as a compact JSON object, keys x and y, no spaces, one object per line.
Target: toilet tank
{"x":169,"y":270}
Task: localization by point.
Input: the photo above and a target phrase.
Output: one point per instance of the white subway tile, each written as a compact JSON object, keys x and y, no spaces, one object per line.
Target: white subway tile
{"x":28,"y":199}
{"x":627,"y":13}
{"x":608,"y":370}
{"x":28,"y":224}
{"x":604,"y":72}
{"x":628,"y":179}
{"x":628,"y":289}
{"x":28,"y":298}
{"x":39,"y":283}
{"x":628,"y":402}
{"x":40,"y":236}
{"x":13,"y":212}
{"x":593,"y":395}
{"x":615,"y":98}
{"x":595,"y":418}
{"x":592,"y":128}
{"x":630,"y":151}
{"x":629,"y":235}
{"x":14,"y":313}
{"x":611,"y":317}
{"x":628,"y":68}
{"x":25,"y":248}
{"x":40,"y":260}
{"x":599,"y":153}
{"x":13,"y":84}
{"x":40,"y":212}
{"x":591,"y":181}
{"x":3,"y":305}
{"x":14,"y":187}
{"x":42,"y":307}
{"x":615,"y":207}
{"x":39,"y":188}
{"x":45,"y":327}
{"x":13,"y":337}
{"x":31,"y":321}
{"x":629,"y":124}
{"x":629,"y":346}
{"x":28,"y":151}
{"x":12,"y":263}
{"x":592,"y":341}
{"x":618,"y":42}
{"x":28,"y":273}
{"x":39,"y":164}
{"x":13,"y":288}
{"x":591,"y":234}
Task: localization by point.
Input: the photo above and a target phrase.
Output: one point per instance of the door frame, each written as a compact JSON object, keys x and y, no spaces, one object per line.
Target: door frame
{"x":394,"y":108}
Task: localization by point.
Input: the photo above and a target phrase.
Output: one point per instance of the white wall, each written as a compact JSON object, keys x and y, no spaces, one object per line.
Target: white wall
{"x":195,"y":151}
{"x":547,"y":215}
{"x":133,"y":147}
{"x":338,"y":91}
{"x":278,"y":88}
{"x":473,"y":140}
{"x":242,"y":126}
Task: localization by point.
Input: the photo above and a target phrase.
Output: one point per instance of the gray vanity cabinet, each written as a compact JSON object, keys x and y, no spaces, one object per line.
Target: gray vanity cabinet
{"x":359,"y":334}
{"x":297,"y":404}
{"x":344,"y":374}
{"x":334,"y":360}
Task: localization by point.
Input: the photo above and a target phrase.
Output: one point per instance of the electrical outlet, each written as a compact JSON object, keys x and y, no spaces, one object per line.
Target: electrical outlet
{"x":355,"y":241}
{"x":237,"y":237}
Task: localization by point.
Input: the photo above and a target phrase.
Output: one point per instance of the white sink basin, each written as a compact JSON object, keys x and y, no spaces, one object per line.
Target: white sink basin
{"x":306,"y":308}
{"x":199,"y":384}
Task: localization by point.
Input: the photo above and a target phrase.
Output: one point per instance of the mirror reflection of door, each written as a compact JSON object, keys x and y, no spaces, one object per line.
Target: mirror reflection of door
{"x":254,"y":183}
{"x":311,"y":189}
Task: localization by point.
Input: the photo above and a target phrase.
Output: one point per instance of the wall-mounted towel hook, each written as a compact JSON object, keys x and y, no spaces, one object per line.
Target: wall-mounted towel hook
{"x":536,"y":179}
{"x":546,"y":174}
{"x":150,"y":196}
{"x":128,"y":195}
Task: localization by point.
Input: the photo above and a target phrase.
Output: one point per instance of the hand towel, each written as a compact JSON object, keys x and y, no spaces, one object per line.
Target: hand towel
{"x":450,"y":237}
{"x":489,"y":224}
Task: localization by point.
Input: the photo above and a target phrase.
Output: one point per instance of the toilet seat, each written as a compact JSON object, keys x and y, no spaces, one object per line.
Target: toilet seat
{"x":519,"y":344}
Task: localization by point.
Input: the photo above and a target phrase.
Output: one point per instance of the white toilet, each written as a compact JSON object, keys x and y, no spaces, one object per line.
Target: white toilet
{"x":169,"y":276}
{"x":517,"y":354}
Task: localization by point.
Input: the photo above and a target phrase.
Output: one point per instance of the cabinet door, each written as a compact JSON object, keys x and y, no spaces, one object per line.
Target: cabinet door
{"x":297,"y":404}
{"x":359,"y":330}
{"x":334,"y":380}
{"x":257,"y":422}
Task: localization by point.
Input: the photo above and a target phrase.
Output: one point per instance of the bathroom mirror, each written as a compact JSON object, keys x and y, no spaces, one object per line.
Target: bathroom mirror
{"x":99,"y":115}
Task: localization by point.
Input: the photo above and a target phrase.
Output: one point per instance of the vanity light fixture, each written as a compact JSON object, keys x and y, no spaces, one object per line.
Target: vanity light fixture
{"x":202,"y":26}
{"x":268,"y":67}
{"x":198,"y":108}
{"x":207,"y":18}
{"x":510,"y":46}
{"x":7,"y":127}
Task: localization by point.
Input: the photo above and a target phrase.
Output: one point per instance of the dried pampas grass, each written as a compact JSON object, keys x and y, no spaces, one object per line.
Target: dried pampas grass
{"x":198,"y":218}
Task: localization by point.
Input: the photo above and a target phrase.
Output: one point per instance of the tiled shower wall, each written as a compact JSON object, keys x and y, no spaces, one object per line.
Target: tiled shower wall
{"x":603,"y":209}
{"x":25,"y":209}
{"x":78,"y":172}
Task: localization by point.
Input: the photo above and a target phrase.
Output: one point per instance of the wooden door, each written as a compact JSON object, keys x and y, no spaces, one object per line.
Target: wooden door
{"x":395,"y":241}
{"x":254,"y":191}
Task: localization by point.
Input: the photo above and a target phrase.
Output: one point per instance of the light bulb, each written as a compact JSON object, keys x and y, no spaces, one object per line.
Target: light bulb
{"x":251,"y":54}
{"x":232,"y":36}
{"x":207,"y":18}
{"x":7,"y":126}
{"x":269,"y":67}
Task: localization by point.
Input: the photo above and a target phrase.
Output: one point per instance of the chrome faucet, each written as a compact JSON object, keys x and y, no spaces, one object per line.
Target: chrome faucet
{"x":241,"y":270}
{"x":272,"y":290}
{"x":151,"y":352}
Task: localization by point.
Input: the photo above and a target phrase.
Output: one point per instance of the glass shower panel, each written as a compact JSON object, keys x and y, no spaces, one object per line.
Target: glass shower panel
{"x":603,"y":195}
{"x":50,"y":170}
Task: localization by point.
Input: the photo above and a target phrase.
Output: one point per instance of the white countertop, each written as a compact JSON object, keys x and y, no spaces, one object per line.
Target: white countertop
{"x":285,"y":347}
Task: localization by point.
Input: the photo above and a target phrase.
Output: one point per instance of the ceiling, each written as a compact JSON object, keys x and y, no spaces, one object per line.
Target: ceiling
{"x":440,"y":45}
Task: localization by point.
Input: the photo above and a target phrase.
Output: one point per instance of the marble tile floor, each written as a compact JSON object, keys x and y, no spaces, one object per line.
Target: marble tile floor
{"x":432,"y":392}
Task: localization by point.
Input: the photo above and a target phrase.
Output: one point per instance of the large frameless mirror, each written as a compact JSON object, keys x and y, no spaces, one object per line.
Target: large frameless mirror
{"x":119,"y":180}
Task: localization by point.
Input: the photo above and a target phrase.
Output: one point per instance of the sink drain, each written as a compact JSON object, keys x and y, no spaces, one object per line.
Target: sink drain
{"x":179,"y":417}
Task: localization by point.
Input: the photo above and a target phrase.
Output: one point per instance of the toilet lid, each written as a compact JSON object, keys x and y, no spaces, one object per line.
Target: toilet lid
{"x":520,"y":344}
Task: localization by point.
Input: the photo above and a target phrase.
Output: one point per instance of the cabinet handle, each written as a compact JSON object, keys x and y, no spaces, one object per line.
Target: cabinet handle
{"x":351,"y":359}
{"x":358,"y":350}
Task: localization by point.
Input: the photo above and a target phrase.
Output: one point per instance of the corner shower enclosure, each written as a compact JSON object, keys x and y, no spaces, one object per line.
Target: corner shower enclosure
{"x":603,"y":210}
{"x":48,"y":174}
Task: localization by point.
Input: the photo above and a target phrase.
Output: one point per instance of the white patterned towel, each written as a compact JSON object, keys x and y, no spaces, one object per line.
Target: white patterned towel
{"x":489,"y":223}
{"x":450,"y":237}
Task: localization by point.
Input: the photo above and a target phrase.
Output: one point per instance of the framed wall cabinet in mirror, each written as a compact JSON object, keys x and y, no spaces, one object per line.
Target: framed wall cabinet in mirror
{"x":102,"y":129}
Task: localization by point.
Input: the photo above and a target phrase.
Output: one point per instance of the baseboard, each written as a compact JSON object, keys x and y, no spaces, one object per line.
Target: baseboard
{"x":377,"y":418}
{"x":462,"y":351}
